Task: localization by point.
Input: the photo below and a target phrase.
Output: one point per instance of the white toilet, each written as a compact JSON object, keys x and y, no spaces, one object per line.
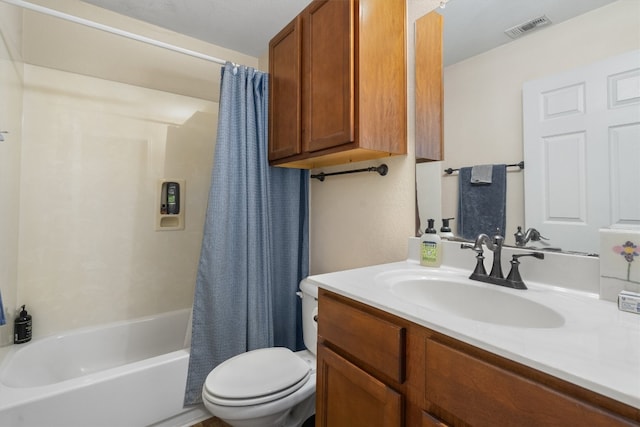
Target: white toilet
{"x":270,"y":386}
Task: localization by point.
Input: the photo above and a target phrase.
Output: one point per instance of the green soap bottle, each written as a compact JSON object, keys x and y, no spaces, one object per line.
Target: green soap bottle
{"x":430,"y":247}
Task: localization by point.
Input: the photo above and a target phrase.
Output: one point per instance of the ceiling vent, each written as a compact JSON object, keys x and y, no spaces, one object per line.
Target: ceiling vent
{"x":520,"y":29}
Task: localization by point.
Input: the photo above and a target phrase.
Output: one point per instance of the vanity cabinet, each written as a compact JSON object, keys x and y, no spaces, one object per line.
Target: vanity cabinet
{"x":376,"y":369}
{"x":338,"y":84}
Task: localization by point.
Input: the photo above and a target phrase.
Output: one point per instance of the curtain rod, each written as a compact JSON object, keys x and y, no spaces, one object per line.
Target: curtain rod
{"x":108,"y":29}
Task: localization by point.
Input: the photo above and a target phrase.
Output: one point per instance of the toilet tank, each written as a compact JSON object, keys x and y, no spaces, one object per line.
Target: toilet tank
{"x":309,"y":314}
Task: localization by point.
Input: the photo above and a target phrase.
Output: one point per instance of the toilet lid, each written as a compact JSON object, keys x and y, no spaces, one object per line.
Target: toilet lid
{"x":257,"y":376}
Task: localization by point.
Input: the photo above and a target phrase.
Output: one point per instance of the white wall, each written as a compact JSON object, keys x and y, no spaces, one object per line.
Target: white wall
{"x":483,"y":102}
{"x":11,"y":72}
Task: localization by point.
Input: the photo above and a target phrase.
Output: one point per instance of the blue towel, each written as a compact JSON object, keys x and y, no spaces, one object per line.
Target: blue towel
{"x":2,"y":319}
{"x":482,"y":207}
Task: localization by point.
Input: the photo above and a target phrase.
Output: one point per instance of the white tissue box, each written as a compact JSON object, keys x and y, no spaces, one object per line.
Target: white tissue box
{"x":629,"y":301}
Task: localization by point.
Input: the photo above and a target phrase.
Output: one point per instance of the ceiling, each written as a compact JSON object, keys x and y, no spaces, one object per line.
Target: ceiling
{"x":246,"y":26}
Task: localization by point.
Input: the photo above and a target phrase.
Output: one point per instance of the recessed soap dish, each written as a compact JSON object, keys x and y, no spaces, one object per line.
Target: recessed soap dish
{"x":170,"y":203}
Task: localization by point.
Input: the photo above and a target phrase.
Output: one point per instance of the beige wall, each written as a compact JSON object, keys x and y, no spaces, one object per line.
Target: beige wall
{"x":11,"y":72}
{"x":483,"y":104}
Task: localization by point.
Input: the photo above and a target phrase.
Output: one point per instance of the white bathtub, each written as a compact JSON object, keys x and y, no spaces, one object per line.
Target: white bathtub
{"x":122,"y":374}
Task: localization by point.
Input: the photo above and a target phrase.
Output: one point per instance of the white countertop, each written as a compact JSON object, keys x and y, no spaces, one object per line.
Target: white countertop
{"x":598,"y":347}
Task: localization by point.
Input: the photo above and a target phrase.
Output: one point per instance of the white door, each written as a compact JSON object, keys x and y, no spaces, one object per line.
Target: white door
{"x":582,"y":152}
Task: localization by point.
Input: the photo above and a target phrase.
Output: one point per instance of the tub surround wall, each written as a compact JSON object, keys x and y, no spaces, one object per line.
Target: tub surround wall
{"x":104,"y":118}
{"x":93,"y":152}
{"x":11,"y":74}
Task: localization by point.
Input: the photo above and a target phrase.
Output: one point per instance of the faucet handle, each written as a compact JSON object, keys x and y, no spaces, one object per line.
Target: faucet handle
{"x":519,"y":237}
{"x":536,"y":236}
{"x":479,"y":270}
{"x":476,"y":248}
{"x":514,"y":275}
{"x":538,"y":255}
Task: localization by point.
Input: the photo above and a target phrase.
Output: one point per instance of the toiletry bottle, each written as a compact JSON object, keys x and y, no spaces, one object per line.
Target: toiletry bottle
{"x":445,"y":230}
{"x":22,"y":329}
{"x":430,"y":247}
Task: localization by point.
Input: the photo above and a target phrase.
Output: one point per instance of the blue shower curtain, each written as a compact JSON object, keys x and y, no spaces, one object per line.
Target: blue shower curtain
{"x":255,"y":245}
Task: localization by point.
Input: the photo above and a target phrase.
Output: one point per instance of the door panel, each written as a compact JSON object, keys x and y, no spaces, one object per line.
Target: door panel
{"x":328,"y":92}
{"x":353,"y":398}
{"x":285,"y":91}
{"x":582,"y":151}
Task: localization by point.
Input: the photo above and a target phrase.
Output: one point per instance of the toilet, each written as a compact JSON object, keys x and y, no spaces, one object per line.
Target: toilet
{"x":269,"y":386}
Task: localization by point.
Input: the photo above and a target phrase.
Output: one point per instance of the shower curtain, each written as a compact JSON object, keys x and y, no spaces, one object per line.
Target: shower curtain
{"x":255,"y":245}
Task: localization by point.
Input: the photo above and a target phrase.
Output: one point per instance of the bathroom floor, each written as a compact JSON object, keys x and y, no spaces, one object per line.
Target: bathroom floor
{"x":211,"y":422}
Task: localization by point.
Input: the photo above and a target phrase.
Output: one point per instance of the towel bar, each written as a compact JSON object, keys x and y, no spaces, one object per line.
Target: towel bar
{"x":382,"y":170}
{"x":449,"y":171}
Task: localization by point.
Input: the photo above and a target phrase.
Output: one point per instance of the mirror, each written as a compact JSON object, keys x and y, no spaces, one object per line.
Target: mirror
{"x":483,"y":97}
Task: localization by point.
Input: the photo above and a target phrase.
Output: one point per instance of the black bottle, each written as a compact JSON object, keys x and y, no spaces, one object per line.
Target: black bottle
{"x":22,"y":329}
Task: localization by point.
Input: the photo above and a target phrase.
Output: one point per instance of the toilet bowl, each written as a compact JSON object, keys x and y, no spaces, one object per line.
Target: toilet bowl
{"x":269,"y":386}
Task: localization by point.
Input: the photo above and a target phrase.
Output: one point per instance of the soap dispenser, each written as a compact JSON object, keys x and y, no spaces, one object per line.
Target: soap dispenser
{"x":22,"y":328}
{"x":445,"y":230}
{"x":430,"y":247}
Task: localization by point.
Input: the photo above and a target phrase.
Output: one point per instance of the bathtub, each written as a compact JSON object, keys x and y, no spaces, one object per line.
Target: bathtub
{"x":122,"y":374}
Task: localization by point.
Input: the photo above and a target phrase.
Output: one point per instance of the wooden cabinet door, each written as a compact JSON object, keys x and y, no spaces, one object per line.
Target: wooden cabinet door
{"x":429,"y":88}
{"x":482,"y":394}
{"x":347,"y":396}
{"x":285,"y":62}
{"x":377,"y":343}
{"x":328,"y":91}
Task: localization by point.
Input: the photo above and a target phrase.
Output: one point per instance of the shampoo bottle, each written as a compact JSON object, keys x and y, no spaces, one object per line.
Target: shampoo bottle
{"x":22,"y":328}
{"x":430,"y":247}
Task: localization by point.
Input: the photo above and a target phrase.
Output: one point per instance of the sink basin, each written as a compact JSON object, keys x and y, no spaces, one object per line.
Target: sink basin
{"x":463,"y":298}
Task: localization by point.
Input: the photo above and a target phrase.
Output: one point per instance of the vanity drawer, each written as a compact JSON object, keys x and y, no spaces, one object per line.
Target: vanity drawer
{"x":363,"y":333}
{"x":484,"y":394}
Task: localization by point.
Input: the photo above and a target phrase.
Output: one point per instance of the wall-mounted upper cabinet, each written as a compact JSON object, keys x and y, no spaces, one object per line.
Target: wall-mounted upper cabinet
{"x":338,"y":84}
{"x":429,"y":89}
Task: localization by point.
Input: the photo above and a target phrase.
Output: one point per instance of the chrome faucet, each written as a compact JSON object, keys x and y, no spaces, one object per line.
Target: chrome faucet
{"x":496,"y":277}
{"x":531,"y":234}
{"x":494,"y":244}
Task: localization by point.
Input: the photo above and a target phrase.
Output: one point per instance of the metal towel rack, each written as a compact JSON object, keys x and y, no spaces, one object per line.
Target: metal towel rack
{"x":382,"y":170}
{"x":520,"y":165}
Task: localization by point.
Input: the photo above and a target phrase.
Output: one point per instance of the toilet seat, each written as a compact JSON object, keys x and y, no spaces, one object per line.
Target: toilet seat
{"x":256,"y":377}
